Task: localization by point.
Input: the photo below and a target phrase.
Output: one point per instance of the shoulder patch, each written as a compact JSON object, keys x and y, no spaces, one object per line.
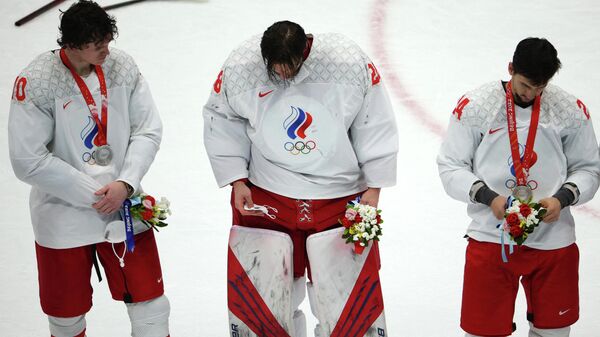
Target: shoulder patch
{"x":562,"y":109}
{"x":120,"y":69}
{"x":481,"y":107}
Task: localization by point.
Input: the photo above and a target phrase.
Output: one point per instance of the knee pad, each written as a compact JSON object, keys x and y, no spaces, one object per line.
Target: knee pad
{"x":67,"y":326}
{"x":260,"y":283}
{"x":150,"y":318}
{"x":560,"y":332}
{"x":345,"y":293}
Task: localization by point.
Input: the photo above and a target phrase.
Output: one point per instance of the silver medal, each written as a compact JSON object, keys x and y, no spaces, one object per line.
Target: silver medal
{"x":103,"y":155}
{"x":522,"y":193}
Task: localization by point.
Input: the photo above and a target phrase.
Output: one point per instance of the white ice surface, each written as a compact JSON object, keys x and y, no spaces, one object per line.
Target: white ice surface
{"x":429,"y":54}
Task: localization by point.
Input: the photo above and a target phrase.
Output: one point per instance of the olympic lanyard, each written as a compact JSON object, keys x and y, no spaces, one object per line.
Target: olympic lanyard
{"x":521,"y":166}
{"x":89,"y":100}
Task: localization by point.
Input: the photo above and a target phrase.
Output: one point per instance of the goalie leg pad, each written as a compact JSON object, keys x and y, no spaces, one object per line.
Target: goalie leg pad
{"x":260,"y":283}
{"x":150,"y":318}
{"x":67,"y":326}
{"x":345,"y":293}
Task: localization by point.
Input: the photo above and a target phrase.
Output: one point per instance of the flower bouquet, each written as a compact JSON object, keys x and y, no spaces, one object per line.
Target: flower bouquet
{"x":521,"y":218}
{"x":362,"y":223}
{"x":150,"y":212}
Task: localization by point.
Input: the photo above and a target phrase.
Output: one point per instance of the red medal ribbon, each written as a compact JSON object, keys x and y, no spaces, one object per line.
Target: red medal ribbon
{"x":89,"y":100}
{"x":521,"y":166}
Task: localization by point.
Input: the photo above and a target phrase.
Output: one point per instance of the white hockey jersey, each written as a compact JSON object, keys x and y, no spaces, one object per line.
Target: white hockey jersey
{"x":331,"y":133}
{"x":477,"y":148}
{"x":52,"y":142}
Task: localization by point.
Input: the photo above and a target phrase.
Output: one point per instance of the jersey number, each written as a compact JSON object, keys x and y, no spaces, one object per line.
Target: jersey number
{"x":19,"y":89}
{"x":375,"y":78}
{"x":218,"y":83}
{"x":584,"y":108}
{"x":462,"y":103}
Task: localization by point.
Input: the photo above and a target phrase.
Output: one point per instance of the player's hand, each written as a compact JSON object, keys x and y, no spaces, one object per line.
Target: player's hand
{"x":243,"y":196}
{"x":370,"y":197}
{"x":112,"y":199}
{"x":553,"y":206}
{"x":498,"y":207}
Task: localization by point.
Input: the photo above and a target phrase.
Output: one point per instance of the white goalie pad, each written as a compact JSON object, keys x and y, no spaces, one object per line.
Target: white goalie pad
{"x":260,"y":279}
{"x":345,"y":293}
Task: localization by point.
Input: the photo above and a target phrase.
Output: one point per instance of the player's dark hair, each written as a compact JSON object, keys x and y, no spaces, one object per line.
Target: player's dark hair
{"x":536,"y":59}
{"x":283,"y":43}
{"x":85,"y":22}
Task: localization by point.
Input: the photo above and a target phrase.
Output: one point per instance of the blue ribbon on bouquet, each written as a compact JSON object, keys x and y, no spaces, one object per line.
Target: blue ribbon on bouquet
{"x":356,"y":201}
{"x":511,"y":244}
{"x":128,"y":225}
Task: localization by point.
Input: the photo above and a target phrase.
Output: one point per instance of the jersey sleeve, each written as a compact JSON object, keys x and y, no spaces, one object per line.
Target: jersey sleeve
{"x":455,"y":159}
{"x":30,"y":135}
{"x":374,"y":134}
{"x":145,"y":134}
{"x":583,"y":162}
{"x":225,"y":137}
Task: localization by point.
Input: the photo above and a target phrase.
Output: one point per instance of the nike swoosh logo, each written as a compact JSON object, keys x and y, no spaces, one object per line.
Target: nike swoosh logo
{"x":263,"y":94}
{"x":67,"y":104}
{"x":492,"y":131}
{"x":560,"y":313}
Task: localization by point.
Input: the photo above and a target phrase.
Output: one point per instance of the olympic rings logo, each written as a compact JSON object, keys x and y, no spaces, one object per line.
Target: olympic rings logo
{"x":511,"y":184}
{"x":300,"y":147}
{"x":89,"y":158}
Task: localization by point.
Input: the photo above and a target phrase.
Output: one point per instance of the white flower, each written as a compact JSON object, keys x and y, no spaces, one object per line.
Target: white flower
{"x":163,"y":204}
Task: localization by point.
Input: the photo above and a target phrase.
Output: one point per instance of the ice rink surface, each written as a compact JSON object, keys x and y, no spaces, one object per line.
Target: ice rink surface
{"x":428,"y":52}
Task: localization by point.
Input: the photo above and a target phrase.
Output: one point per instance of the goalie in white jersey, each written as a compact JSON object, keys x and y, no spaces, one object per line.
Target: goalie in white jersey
{"x":83,"y":131}
{"x":555,"y":144}
{"x":300,"y":125}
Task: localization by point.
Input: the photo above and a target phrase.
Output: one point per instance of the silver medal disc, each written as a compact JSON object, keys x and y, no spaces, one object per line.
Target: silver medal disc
{"x":522,"y":193}
{"x":103,"y":155}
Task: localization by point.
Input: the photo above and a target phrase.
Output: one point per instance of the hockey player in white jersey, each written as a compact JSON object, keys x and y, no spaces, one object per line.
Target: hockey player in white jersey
{"x":555,"y":145}
{"x":299,"y":125}
{"x":83,"y":131}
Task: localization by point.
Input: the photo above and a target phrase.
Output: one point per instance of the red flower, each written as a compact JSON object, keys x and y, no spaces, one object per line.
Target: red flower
{"x":358,"y":218}
{"x":151,"y":199}
{"x":345,"y":222}
{"x":525,"y":210}
{"x":512,"y":219}
{"x":516,"y":231}
{"x":147,"y":214}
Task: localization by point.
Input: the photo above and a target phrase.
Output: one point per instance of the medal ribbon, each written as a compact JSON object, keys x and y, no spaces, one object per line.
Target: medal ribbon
{"x":128,"y":225}
{"x":89,"y":100}
{"x":521,"y":166}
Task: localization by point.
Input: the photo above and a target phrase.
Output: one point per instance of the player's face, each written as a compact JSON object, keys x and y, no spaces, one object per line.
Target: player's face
{"x":523,"y":89}
{"x":95,"y":52}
